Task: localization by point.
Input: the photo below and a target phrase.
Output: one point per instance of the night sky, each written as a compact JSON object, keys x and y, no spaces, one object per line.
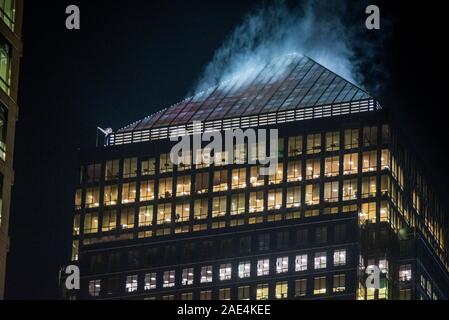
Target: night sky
{"x":132,"y":58}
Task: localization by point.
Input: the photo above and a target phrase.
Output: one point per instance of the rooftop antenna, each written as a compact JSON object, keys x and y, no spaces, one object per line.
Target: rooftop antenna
{"x":104,"y":133}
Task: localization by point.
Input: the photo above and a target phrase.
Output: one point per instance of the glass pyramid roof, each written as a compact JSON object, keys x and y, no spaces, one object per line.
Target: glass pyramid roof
{"x":288,"y":83}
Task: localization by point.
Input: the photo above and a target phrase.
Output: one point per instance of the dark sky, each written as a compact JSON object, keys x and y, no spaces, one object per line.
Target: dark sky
{"x":131,"y":58}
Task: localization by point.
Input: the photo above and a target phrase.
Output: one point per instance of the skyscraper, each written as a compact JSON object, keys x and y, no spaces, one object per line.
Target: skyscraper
{"x":347,"y":199}
{"x":10,"y":53}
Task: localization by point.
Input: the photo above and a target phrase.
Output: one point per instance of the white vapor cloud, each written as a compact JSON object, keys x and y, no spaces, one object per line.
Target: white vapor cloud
{"x":313,"y":28}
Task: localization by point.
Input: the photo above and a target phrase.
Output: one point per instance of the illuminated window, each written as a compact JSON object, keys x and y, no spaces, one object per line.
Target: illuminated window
{"x":112,"y":170}
{"x":369,"y":161}
{"x":278,"y":176}
{"x":351,"y":139}
{"x":339,"y":258}
{"x":256,"y":202}
{"x":405,"y":294}
{"x":224,"y":294}
{"x":183,"y":186}
{"x":244,"y":293}
{"x":146,"y":216}
{"x":238,"y":179}
{"x":165,"y":164}
{"x":331,"y":191}
{"x":368,"y":213}
{"x":238,"y":204}
{"x":76,"y":225}
{"x":92,"y":198}
{"x":313,"y":169}
{"x":332,"y":141}
{"x":8,"y":13}
{"x":244,"y":269}
{"x":405,"y":272}
{"x":75,"y":250}
{"x":218,"y":206}
{"x":262,"y":292}
{"x":293,"y":197}
{"x":351,"y":163}
{"x":206,"y":295}
{"x":332,"y":166}
{"x":294,"y":146}
{"x":281,"y":291}
{"x":187,"y":277}
{"x":275,"y":199}
{"x":294,"y":171}
{"x":221,"y":158}
{"x":187,"y":296}
{"x":90,"y":223}
{"x":203,"y":158}
{"x":164,"y":213}
{"x":78,"y":198}
{"x":339,"y":283}
{"x":129,"y":192}
{"x":349,"y":189}
{"x":202,"y":183}
{"x":256,"y":178}
{"x":147,"y":190}
{"x":132,"y":284}
{"x":320,"y":260}
{"x":220,"y":180}
{"x":384,"y":211}
{"x":94,"y":288}
{"x":110,"y":195}
{"x":301,"y":263}
{"x":369,"y":136}
{"x":130,"y":168}
{"x":313,"y":143}
{"x":109,"y":220}
{"x":127,"y":218}
{"x":263,"y":267}
{"x":385,"y":160}
{"x":225,"y":271}
{"x":369,"y":187}
{"x":240,"y":154}
{"x":282,"y":265}
{"x":169,"y":279}
{"x":148,"y":167}
{"x":312,"y":194}
{"x":185,"y":160}
{"x":300,"y":288}
{"x":201,"y":209}
{"x":206,"y":274}
{"x":319,"y":286}
{"x":182,"y":211}
{"x":165,"y":188}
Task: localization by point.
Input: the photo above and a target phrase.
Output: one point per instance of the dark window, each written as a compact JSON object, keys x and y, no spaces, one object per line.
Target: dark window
{"x":151,"y":256}
{"x":340,"y":232}
{"x":321,"y":235}
{"x":189,"y":251}
{"x":264,"y":242}
{"x":114,"y":260}
{"x":208,"y":247}
{"x":133,"y":258}
{"x":113,"y":286}
{"x":282,"y":239}
{"x":245,"y":245}
{"x":170,"y":254}
{"x":96,"y":263}
{"x":226,"y":247}
{"x":302,"y":236}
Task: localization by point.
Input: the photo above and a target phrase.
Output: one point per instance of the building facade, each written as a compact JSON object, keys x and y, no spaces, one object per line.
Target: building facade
{"x":10,"y":54}
{"x":346,"y":196}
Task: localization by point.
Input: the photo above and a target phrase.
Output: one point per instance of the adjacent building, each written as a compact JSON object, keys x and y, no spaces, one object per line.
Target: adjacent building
{"x":10,"y":53}
{"x":347,"y":195}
